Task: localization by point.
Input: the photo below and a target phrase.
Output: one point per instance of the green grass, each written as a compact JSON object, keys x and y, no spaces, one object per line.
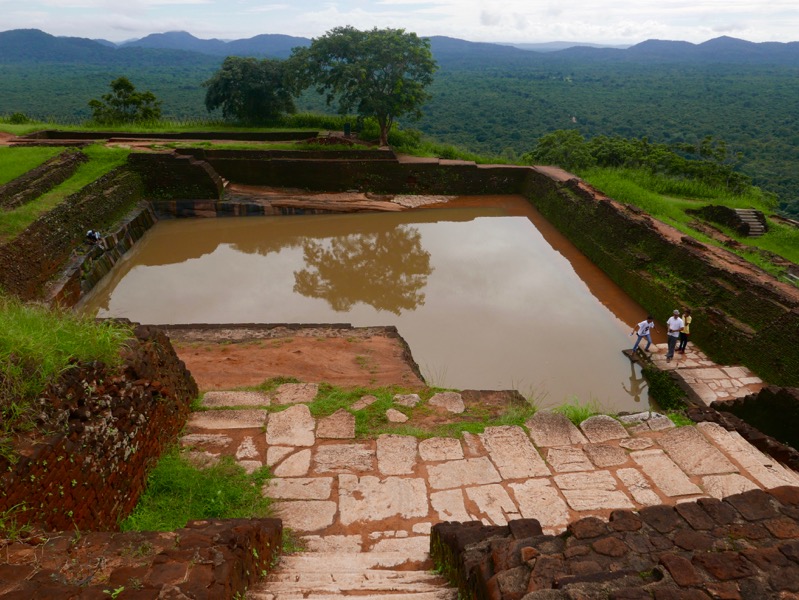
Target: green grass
{"x":18,"y":161}
{"x":667,"y":199}
{"x":576,"y":412}
{"x":178,"y":492}
{"x":37,"y":345}
{"x":101,"y":161}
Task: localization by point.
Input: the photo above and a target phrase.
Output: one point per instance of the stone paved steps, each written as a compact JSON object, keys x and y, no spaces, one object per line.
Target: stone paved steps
{"x":327,"y":575}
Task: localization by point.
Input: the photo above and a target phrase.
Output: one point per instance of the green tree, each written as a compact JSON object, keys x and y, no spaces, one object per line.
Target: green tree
{"x":250,"y":90}
{"x":380,"y":73}
{"x":565,"y":148}
{"x":125,"y":105}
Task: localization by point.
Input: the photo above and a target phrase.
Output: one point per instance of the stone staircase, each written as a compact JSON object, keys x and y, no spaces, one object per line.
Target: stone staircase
{"x":363,"y":575}
{"x":754,"y":219}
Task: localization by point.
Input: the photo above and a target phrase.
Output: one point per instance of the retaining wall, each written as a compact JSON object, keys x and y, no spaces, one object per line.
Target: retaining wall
{"x":31,"y":259}
{"x":741,"y":315}
{"x":43,"y":178}
{"x":111,"y":429}
{"x":170,"y":176}
{"x":244,"y":136}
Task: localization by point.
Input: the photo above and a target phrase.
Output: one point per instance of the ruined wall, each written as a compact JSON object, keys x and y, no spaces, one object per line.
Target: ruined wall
{"x":170,"y":176}
{"x":28,"y":261}
{"x":773,"y":410}
{"x":741,"y":315}
{"x":217,"y":559}
{"x":380,"y":176}
{"x":108,"y":429}
{"x":745,"y":546}
{"x":34,"y":183}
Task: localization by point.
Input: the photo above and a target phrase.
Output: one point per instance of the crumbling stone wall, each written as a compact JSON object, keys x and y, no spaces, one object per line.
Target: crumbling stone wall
{"x":167,"y":175}
{"x":745,"y":546}
{"x":43,"y":178}
{"x":740,"y":314}
{"x":773,"y":410}
{"x":217,"y":559}
{"x":108,"y":429}
{"x":28,"y":261}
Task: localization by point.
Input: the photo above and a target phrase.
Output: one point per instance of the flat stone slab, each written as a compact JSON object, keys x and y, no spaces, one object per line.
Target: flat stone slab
{"x":396,"y":454}
{"x":333,"y":543}
{"x":721,"y":486}
{"x":223,"y":398}
{"x":458,"y":473}
{"x":395,"y":416}
{"x":408,"y":400}
{"x":450,"y":401}
{"x":227,"y":419}
{"x":291,"y":427}
{"x":638,"y":487}
{"x":296,"y":465}
{"x":568,"y":460}
{"x":494,"y":502}
{"x":274,"y":454}
{"x":217,"y":440}
{"x":513,"y":454}
{"x":764,"y":469}
{"x":439,"y":449}
{"x":295,"y":393}
{"x":592,"y":491}
{"x":416,"y":547}
{"x":552,"y":429}
{"x":363,"y":402}
{"x":665,"y":474}
{"x":450,"y":506}
{"x":299,"y":488}
{"x":640,"y":443}
{"x":539,"y":499}
{"x":340,"y":426}
{"x":605,"y":455}
{"x":247,"y":450}
{"x":602,"y":428}
{"x":694,"y":454}
{"x":369,"y":499}
{"x":250,"y":466}
{"x":337,"y":458}
{"x":306,"y":515}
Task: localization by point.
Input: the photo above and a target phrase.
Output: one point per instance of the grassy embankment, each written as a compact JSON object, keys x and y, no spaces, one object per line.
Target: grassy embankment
{"x":101,"y":161}
{"x":667,"y":199}
{"x":38,"y":344}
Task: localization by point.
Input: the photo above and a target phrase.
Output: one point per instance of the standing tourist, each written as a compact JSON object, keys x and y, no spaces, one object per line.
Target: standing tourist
{"x":674,"y":326}
{"x":644,"y":330}
{"x":686,"y":331}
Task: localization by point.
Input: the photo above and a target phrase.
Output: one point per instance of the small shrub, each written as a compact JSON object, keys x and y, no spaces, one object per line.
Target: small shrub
{"x":19,"y":118}
{"x":664,"y":390}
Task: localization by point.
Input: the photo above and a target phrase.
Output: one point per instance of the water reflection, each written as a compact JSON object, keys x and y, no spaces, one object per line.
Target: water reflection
{"x":385,"y":269}
{"x":482,"y":298}
{"x":637,"y":383}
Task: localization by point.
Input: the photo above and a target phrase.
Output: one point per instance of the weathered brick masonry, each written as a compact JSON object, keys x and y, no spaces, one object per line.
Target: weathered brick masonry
{"x":740,"y":314}
{"x":112,"y":427}
{"x":743,"y":547}
{"x":43,"y":178}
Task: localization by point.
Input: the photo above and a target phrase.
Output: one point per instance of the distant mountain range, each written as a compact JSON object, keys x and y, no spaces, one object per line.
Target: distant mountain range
{"x":33,"y":45}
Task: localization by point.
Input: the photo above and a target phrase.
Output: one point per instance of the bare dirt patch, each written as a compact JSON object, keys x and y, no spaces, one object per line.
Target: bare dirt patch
{"x":230,"y":357}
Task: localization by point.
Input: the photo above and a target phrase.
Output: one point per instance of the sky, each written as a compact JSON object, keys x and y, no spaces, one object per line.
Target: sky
{"x":621,"y":22}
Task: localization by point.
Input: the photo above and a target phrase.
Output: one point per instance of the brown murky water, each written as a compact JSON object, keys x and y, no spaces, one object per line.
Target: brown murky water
{"x":487,"y":294}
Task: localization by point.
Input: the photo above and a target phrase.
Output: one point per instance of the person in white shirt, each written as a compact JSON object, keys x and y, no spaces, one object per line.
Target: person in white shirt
{"x":674,"y":326}
{"x":644,"y":330}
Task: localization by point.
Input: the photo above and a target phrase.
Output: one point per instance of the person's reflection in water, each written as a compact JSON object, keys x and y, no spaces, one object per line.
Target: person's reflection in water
{"x":637,"y":384}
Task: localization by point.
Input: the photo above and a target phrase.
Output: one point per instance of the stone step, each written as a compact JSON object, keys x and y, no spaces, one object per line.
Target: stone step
{"x":443,"y":594}
{"x":411,"y":582}
{"x":347,"y":562}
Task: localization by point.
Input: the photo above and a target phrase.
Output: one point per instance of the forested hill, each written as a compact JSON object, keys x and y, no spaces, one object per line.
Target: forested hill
{"x":487,"y":98}
{"x":32,"y":45}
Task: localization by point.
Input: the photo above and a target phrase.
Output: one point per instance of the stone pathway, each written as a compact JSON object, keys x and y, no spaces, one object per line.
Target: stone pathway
{"x":707,"y":380}
{"x":366,"y":500}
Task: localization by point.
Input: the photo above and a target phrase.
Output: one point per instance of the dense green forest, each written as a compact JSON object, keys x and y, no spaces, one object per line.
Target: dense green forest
{"x":499,"y":102}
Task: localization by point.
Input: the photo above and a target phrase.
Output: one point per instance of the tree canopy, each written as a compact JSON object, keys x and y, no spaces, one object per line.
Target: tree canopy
{"x":250,"y":90}
{"x":125,"y":105}
{"x":380,"y":73}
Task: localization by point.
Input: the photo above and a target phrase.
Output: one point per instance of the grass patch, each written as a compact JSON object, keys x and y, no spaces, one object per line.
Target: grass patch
{"x":663,"y":390}
{"x":576,"y":412}
{"x":667,"y":198}
{"x":37,"y":344}
{"x":101,"y":161}
{"x":18,"y":161}
{"x":178,"y":492}
{"x":679,"y":418}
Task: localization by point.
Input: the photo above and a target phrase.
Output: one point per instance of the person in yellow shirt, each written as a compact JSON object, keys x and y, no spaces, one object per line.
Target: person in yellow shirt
{"x":686,"y":330}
